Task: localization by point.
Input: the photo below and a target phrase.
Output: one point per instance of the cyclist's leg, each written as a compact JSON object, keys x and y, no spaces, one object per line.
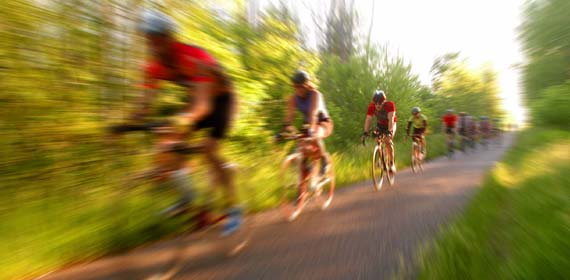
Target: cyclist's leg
{"x":390,"y":149}
{"x":180,"y":181}
{"x":219,"y":121}
{"x":325,"y":129}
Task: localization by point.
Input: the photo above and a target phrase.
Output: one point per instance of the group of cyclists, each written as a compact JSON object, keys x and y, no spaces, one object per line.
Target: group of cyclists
{"x":213,"y":107}
{"x":469,"y":129}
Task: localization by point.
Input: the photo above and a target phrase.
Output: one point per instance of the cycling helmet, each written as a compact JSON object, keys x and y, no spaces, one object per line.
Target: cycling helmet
{"x":379,"y":96}
{"x":450,"y":111}
{"x":154,"y":22}
{"x":300,"y":77}
{"x":416,"y":110}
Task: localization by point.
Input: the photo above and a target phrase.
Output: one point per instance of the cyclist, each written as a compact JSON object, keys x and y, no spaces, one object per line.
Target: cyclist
{"x":472,"y":130}
{"x":207,"y":85}
{"x":485,"y":127}
{"x":420,"y":124}
{"x":462,"y":125}
{"x":309,"y":101}
{"x":450,"y":125}
{"x":385,"y":113}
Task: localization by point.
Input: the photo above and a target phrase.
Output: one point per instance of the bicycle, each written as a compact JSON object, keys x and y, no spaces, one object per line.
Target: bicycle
{"x":380,"y":166}
{"x":418,"y":155}
{"x":302,"y":180}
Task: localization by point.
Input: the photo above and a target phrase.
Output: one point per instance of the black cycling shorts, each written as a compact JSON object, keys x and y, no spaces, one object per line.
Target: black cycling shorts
{"x":219,"y":119}
{"x":450,"y":130}
{"x":419,"y":131}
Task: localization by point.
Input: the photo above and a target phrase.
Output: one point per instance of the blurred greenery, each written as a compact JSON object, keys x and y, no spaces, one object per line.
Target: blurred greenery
{"x":70,"y":68}
{"x":545,"y":37}
{"x":517,"y":226}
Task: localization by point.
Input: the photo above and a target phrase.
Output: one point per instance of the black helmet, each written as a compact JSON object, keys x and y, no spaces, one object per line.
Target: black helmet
{"x":379,"y":96}
{"x":300,"y":77}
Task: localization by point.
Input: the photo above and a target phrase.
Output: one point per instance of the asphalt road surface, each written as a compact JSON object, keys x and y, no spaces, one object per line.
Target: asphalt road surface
{"x":363,"y":235}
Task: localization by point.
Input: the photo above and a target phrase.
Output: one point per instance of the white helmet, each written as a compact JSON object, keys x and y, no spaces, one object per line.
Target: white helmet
{"x":157,"y":23}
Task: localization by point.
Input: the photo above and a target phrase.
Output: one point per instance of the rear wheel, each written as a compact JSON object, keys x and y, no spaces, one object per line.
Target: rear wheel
{"x":326,"y":186}
{"x":391,"y":175}
{"x":377,"y":168}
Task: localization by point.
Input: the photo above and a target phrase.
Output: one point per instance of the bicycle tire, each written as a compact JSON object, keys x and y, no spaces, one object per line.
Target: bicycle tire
{"x":391,"y":176}
{"x":326,"y":190}
{"x":290,"y":203}
{"x":415,"y":161}
{"x":377,"y":169}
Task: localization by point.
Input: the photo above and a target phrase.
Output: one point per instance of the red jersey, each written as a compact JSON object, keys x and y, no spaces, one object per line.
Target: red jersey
{"x":450,"y":120}
{"x":382,"y":114}
{"x":192,"y":65}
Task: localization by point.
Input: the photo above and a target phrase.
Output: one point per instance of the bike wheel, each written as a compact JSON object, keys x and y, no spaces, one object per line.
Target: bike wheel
{"x":387,"y":168}
{"x":326,"y":185}
{"x":377,"y":168}
{"x":415,"y":160}
{"x":291,"y":203}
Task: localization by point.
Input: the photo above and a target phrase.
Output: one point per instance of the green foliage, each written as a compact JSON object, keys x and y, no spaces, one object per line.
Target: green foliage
{"x":463,"y":89}
{"x":551,"y":106}
{"x":516,"y":227}
{"x":545,"y":36}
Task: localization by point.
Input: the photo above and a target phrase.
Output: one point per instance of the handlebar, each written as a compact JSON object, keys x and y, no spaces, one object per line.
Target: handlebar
{"x":156,"y":128}
{"x":147,"y":127}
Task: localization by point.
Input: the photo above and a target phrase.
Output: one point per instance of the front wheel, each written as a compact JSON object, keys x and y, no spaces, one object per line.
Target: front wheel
{"x":416,"y":161}
{"x":292,"y":199}
{"x":378,"y":166}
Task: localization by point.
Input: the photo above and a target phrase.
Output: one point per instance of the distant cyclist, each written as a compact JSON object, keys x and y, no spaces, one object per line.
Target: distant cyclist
{"x":419,"y":122}
{"x":462,"y":128}
{"x":449,"y":121}
{"x":385,"y":113}
{"x":472,"y":130}
{"x":485,"y":127}
{"x":206,"y":84}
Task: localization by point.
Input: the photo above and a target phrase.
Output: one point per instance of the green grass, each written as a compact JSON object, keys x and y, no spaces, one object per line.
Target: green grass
{"x":53,"y":213}
{"x":518,"y":225}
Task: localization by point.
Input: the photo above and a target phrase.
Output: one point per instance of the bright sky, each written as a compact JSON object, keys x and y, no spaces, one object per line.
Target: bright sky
{"x":420,"y":30}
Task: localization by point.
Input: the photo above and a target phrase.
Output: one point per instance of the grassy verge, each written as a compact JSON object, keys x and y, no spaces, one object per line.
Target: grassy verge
{"x":518,"y":225}
{"x":69,"y":213}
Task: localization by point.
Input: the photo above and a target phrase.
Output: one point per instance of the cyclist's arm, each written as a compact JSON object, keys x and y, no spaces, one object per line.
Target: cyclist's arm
{"x":367,"y":122}
{"x":313,"y":111}
{"x":201,"y":94}
{"x":408,"y":128}
{"x":425,"y":125}
{"x":391,"y":120}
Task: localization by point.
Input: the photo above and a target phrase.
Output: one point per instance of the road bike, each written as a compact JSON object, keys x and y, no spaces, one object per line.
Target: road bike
{"x":304,"y":176}
{"x":418,"y":155}
{"x":380,"y":165}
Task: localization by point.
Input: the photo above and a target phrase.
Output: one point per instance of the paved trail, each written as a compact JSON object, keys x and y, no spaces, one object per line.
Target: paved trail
{"x":363,"y":235}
